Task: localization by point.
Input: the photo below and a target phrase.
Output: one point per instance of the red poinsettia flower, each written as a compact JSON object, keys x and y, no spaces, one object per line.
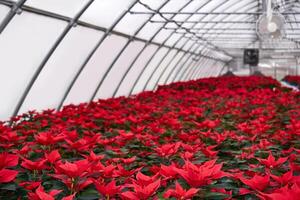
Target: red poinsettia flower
{"x":270,"y":162}
{"x":48,"y":138}
{"x":34,"y":165}
{"x":8,"y":160}
{"x":284,"y":178}
{"x":289,"y":193}
{"x":7,"y":175}
{"x":180,"y":193}
{"x":197,"y":176}
{"x":107,"y":190}
{"x":40,"y":194}
{"x":141,"y":191}
{"x":73,"y":170}
{"x":53,"y":156}
{"x":257,"y":182}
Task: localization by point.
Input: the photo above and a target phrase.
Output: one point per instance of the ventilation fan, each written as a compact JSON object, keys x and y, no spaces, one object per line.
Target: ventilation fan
{"x":270,"y":26}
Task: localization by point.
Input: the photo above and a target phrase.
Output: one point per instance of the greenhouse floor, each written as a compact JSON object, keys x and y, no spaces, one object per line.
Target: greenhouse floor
{"x":213,"y":138}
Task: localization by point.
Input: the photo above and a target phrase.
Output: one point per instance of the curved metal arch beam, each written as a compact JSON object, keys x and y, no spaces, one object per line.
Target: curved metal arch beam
{"x":156,"y":68}
{"x":183,"y":67}
{"x":186,"y":72}
{"x":167,"y":66}
{"x":187,"y":63}
{"x":179,"y":24}
{"x":187,"y":67}
{"x":222,"y":69}
{"x":205,"y":67}
{"x":90,"y":55}
{"x":176,"y":65}
{"x":48,"y":55}
{"x":122,"y":51}
{"x":242,"y":18}
{"x":193,"y":75}
{"x":184,"y":34}
{"x":197,"y":66}
{"x":200,"y":66}
{"x":143,"y":49}
{"x":10,"y":15}
{"x":211,"y":73}
{"x":155,"y":53}
{"x":218,"y":34}
{"x":190,"y":73}
{"x":197,"y":70}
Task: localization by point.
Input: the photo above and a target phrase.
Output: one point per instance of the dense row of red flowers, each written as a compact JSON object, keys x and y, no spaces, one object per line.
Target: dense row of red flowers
{"x":214,"y":138}
{"x":293,"y":80}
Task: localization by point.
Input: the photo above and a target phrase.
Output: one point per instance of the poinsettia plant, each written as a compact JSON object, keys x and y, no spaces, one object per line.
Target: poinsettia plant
{"x":213,"y":138}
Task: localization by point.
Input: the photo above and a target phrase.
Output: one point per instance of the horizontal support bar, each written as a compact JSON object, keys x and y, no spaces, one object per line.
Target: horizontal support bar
{"x":210,"y":13}
{"x":213,"y":22}
{"x":81,"y":23}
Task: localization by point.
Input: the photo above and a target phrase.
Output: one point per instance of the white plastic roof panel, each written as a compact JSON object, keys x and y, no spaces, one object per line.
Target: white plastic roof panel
{"x":3,"y":12}
{"x":150,"y":68}
{"x":130,"y":23}
{"x":159,"y":68}
{"x":61,"y":69}
{"x":170,"y":66}
{"x":105,"y":12}
{"x":63,"y":7}
{"x":136,"y":69}
{"x":114,"y":76}
{"x":24,"y":42}
{"x":89,"y":78}
{"x":171,"y":76}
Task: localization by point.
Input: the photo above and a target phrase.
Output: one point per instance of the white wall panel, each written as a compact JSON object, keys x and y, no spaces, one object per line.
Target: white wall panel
{"x":91,"y":75}
{"x":160,"y":68}
{"x":153,"y":63}
{"x":23,"y":45}
{"x":57,"y":74}
{"x":113,"y":78}
{"x":136,"y":69}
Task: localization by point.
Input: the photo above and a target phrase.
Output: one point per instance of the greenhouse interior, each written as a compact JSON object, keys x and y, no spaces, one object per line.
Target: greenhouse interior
{"x":149,"y":99}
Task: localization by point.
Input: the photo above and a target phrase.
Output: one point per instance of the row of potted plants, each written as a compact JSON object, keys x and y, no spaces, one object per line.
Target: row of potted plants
{"x":213,"y":138}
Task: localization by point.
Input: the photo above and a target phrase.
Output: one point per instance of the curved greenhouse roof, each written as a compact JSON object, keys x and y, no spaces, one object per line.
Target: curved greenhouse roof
{"x":57,"y":52}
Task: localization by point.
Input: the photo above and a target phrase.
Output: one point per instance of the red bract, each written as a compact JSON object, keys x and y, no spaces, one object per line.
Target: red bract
{"x":73,"y":170}
{"x":107,"y":190}
{"x":7,"y":175}
{"x":8,"y":160}
{"x":270,"y":162}
{"x":53,"y":156}
{"x":167,"y":150}
{"x":257,"y":182}
{"x":47,"y":138}
{"x":141,"y":191}
{"x":284,"y":178}
{"x":40,"y":194}
{"x":199,"y":175}
{"x":34,"y":165}
{"x":180,"y":193}
{"x":289,"y":193}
